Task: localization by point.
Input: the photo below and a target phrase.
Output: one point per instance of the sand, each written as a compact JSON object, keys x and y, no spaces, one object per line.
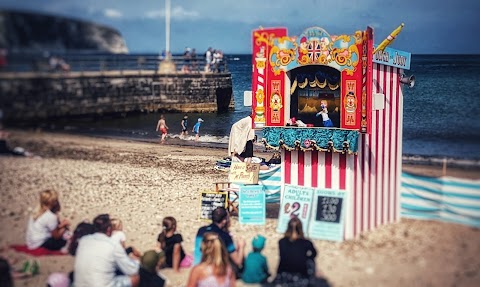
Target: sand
{"x":143,"y":182}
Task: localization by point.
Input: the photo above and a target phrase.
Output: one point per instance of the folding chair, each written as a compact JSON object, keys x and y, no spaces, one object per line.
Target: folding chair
{"x":232,"y":205}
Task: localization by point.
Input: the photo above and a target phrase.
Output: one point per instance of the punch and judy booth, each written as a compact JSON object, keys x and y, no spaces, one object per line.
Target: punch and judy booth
{"x":334,"y":109}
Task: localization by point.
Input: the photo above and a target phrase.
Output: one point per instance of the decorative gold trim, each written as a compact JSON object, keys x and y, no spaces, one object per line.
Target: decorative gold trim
{"x":304,"y":84}
{"x":294,"y":86}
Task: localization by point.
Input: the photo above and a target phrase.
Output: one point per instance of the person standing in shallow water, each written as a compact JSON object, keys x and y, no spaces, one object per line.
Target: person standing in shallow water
{"x":196,"y":128}
{"x":162,"y":127}
{"x":184,"y":124}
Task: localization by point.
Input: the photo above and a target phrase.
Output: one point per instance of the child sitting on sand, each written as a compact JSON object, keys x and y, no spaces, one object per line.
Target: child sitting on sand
{"x":255,"y":266}
{"x":120,"y":236}
{"x":151,"y":262}
{"x":45,"y":229}
{"x":171,"y":243}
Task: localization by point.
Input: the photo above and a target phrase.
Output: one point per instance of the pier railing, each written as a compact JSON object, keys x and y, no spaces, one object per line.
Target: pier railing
{"x":25,"y":62}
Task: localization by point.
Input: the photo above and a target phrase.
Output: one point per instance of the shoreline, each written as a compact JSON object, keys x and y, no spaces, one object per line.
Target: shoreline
{"x":416,"y":164}
{"x":142,"y":182}
{"x":407,"y":159}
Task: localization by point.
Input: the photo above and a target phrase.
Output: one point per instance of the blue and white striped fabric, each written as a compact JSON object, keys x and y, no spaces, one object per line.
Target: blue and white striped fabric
{"x":272,"y":182}
{"x":446,"y":199}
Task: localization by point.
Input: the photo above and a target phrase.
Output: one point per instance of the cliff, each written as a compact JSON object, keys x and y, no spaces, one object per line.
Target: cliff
{"x":33,"y":32}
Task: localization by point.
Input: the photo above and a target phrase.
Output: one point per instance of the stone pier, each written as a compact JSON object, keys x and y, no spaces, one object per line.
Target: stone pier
{"x":41,"y":95}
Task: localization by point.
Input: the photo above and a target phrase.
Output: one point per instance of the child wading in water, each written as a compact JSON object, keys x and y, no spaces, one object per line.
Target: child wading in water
{"x":162,"y":127}
{"x":196,"y":128}
{"x":171,"y":244}
{"x":184,"y":124}
{"x":45,"y":229}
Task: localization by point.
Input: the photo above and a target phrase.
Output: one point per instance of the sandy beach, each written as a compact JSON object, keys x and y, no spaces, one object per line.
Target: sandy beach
{"x":142,"y":182}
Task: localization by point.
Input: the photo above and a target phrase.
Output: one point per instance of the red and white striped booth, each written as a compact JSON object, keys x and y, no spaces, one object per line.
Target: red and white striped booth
{"x":334,"y":109}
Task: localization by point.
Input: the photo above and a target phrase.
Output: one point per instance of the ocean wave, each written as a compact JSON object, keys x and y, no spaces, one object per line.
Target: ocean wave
{"x":439,"y":160}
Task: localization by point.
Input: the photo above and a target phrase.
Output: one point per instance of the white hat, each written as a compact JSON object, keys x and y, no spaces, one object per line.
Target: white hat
{"x":200,"y":120}
{"x":58,"y":279}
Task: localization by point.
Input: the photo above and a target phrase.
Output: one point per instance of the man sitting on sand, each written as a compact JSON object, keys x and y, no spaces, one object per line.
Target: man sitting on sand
{"x":98,"y":257}
{"x":220,"y":224}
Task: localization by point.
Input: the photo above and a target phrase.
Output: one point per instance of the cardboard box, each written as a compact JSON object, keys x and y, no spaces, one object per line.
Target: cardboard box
{"x":244,"y":173}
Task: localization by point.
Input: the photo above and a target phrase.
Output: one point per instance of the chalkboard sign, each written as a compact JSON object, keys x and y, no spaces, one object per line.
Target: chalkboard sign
{"x":329,"y":209}
{"x":327,"y":218}
{"x":210,"y":200}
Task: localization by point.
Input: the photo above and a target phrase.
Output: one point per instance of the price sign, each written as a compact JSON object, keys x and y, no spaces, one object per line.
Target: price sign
{"x":296,"y":202}
{"x":329,"y":209}
{"x":327,"y":222}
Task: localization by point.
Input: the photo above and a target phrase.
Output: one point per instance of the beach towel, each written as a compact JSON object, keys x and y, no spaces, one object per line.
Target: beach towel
{"x":36,"y":252}
{"x":240,"y":133}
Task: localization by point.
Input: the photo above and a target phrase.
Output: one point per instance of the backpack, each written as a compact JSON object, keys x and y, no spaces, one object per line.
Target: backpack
{"x":82,"y":229}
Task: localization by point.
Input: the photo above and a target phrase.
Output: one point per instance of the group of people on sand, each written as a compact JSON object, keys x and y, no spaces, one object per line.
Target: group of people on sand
{"x":162,"y":128}
{"x":102,"y":258}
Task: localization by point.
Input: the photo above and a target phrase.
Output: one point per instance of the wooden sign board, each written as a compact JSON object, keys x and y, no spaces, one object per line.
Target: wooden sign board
{"x":244,"y":173}
{"x":210,"y":200}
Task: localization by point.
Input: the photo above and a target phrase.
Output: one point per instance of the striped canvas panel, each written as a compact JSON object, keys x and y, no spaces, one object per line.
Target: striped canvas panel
{"x":446,"y":199}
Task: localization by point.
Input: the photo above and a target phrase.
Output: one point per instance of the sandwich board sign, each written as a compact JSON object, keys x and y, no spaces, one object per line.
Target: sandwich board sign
{"x":252,"y":204}
{"x":244,"y":173}
{"x":296,"y":202}
{"x":327,"y":220}
{"x":209,"y":201}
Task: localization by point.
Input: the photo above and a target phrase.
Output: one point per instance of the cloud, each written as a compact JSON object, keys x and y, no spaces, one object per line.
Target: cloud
{"x":112,"y":13}
{"x":177,"y":12}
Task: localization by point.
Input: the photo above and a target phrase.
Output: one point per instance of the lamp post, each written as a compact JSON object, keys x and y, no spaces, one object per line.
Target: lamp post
{"x":167,"y":27}
{"x":167,"y":66}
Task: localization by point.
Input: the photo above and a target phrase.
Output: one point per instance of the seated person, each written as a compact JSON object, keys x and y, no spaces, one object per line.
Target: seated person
{"x":297,"y":255}
{"x":45,"y":229}
{"x":150,"y":265}
{"x":98,"y":257}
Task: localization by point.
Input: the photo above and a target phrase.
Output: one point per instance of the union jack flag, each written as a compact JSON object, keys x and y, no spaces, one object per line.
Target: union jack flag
{"x":314,"y":50}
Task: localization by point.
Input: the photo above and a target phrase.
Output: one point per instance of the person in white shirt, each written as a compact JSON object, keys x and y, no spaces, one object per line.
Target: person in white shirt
{"x":119,"y":235}
{"x":208,"y":59}
{"x":98,"y":257}
{"x":44,"y":226}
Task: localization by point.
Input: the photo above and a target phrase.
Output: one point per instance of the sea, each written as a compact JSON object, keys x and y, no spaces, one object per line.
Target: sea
{"x":441,"y":118}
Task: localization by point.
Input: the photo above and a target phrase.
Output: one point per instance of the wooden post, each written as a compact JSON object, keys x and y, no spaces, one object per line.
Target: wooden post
{"x":444,"y":172}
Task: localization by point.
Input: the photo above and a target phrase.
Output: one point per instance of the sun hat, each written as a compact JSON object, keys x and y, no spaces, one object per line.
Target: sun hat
{"x":258,"y":242}
{"x":200,"y":120}
{"x":58,"y":279}
{"x":150,"y":260}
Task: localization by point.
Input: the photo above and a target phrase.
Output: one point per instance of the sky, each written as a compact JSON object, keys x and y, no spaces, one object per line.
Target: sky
{"x":431,"y":26}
